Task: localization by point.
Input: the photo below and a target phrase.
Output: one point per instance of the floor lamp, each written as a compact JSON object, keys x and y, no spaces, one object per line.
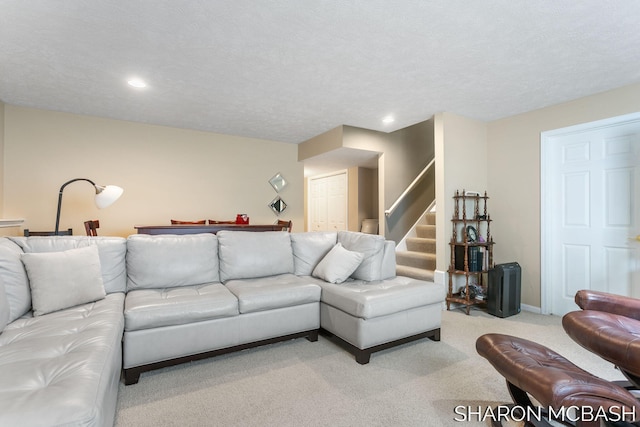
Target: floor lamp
{"x":105,"y":196}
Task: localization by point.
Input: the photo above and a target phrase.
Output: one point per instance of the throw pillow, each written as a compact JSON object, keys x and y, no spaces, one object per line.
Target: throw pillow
{"x":64,"y":279}
{"x":337,"y":265}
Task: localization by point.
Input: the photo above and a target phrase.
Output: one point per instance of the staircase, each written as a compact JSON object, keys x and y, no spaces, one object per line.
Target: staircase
{"x":419,"y":260}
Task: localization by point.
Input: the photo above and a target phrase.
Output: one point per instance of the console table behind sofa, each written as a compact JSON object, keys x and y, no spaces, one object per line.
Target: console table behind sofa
{"x":197,"y":228}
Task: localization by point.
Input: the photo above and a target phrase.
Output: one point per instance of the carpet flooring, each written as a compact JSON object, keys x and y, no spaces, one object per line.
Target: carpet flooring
{"x":302,"y":383}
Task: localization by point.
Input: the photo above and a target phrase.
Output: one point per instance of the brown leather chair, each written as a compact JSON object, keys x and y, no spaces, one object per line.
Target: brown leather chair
{"x":91,"y":227}
{"x":199,"y":222}
{"x":609,"y":326}
{"x":533,"y":370}
{"x":610,"y":303}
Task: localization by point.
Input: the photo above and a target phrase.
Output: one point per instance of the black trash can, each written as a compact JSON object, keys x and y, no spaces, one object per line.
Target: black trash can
{"x":503,"y":290}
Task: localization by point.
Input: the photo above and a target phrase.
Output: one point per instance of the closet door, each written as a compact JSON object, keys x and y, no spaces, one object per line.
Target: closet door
{"x":328,"y":202}
{"x":318,"y":204}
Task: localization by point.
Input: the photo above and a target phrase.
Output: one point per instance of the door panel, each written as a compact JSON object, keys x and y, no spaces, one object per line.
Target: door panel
{"x":575,"y":274}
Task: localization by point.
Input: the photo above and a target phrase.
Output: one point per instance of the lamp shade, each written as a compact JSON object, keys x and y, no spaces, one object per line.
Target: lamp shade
{"x":106,"y":195}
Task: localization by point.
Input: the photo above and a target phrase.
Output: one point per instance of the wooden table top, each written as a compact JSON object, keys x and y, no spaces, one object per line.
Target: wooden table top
{"x":202,"y":228}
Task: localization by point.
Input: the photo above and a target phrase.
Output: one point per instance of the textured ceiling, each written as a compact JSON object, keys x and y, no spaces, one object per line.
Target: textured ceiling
{"x":288,"y":70}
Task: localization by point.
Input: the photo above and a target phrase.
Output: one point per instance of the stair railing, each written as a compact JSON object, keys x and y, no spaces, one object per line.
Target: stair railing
{"x":411,"y":186}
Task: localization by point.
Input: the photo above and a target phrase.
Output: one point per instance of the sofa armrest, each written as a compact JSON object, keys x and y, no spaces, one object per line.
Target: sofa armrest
{"x":610,"y":303}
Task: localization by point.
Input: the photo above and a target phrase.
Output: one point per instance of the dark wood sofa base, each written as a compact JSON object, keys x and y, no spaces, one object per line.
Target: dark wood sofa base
{"x":132,"y":375}
{"x":363,"y":356}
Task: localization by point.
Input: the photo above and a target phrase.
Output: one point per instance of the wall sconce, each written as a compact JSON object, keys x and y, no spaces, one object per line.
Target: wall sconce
{"x":105,"y":196}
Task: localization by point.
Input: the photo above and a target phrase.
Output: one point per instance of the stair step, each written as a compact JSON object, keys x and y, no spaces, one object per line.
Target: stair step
{"x":427,"y":231}
{"x":421,"y":244}
{"x":430,"y":218}
{"x":415,"y":273}
{"x":419,"y":261}
{"x":416,"y":259}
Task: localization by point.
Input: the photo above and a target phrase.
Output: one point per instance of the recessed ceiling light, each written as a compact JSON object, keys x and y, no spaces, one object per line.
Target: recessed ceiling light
{"x":137,"y":83}
{"x":388,"y":119}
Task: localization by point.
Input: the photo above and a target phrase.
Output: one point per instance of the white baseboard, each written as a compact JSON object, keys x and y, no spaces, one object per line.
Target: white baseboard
{"x":440,"y":277}
{"x":531,"y":308}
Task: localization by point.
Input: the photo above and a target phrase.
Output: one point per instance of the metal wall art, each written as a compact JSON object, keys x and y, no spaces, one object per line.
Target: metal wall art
{"x":278,"y":182}
{"x":278,"y":205}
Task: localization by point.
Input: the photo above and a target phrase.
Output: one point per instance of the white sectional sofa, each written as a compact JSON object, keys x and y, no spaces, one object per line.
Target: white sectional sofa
{"x":77,"y":310}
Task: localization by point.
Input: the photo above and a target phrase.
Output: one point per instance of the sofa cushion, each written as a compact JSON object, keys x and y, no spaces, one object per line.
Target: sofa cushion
{"x":274,"y":292}
{"x":169,"y":261}
{"x":112,"y":252}
{"x":16,"y":283}
{"x":152,"y":308}
{"x":371,"y":246}
{"x":245,"y":255}
{"x":310,"y":248}
{"x":368,"y":300}
{"x":4,"y":307}
{"x":60,"y":280}
{"x":337,"y":265}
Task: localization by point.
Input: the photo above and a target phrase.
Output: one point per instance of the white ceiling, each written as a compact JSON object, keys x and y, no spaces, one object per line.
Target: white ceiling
{"x":288,"y":70}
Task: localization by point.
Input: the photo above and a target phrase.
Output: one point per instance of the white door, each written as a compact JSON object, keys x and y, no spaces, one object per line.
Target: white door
{"x":592,"y":212}
{"x":317,"y":204}
{"x":337,"y":202}
{"x":328,"y":202}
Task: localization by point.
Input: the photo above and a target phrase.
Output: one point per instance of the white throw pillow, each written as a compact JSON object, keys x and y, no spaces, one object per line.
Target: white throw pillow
{"x":337,"y":265}
{"x":64,"y":279}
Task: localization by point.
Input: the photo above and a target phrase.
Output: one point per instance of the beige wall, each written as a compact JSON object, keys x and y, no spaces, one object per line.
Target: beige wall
{"x":461,"y":164}
{"x":513,"y":175}
{"x":363,"y":196}
{"x":165,"y":172}
{"x":320,"y":144}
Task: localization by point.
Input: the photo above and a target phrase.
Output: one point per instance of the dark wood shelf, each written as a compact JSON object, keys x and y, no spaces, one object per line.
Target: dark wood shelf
{"x":480,"y":221}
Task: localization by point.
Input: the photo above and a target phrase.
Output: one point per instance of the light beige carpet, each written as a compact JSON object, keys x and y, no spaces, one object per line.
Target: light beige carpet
{"x":300,"y":383}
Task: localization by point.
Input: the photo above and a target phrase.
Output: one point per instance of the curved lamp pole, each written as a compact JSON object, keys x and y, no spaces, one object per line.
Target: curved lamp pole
{"x":105,"y":196}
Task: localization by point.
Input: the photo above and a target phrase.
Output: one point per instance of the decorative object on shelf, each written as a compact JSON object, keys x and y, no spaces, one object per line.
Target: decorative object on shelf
{"x":472,"y":233}
{"x":183,"y":222}
{"x":471,"y":249}
{"x":242,"y":219}
{"x":475,"y":292}
{"x":105,"y":196}
{"x":278,"y":182}
{"x":278,"y":205}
